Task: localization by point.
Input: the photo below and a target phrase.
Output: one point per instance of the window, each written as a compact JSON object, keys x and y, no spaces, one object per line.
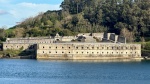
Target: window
{"x":82,"y":52}
{"x":62,"y":52}
{"x":102,"y":47}
{"x":43,"y":47}
{"x":56,"y":51}
{"x":56,"y":47}
{"x":76,"y":47}
{"x":87,"y":52}
{"x":97,"y":52}
{"x":87,"y":47}
{"x":82,"y":47}
{"x":43,"y":51}
{"x":76,"y":52}
{"x":135,"y":48}
{"x":49,"y":51}
{"x":49,"y":47}
{"x":92,"y":52}
{"x":69,"y":52}
{"x":62,"y":47}
{"x":69,"y":47}
{"x":92,"y":47}
{"x":126,"y":52}
{"x":97,"y":47}
{"x":6,"y":46}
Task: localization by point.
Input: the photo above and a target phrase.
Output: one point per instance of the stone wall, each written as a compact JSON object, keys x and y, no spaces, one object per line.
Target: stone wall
{"x":17,"y":46}
{"x":87,"y":50}
{"x":121,"y":39}
{"x":68,"y":38}
{"x":30,"y":41}
{"x":113,"y":38}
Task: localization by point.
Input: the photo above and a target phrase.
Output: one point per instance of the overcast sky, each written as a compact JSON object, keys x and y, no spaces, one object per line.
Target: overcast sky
{"x":12,"y":11}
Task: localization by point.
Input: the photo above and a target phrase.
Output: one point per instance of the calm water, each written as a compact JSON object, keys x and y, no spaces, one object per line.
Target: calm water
{"x":61,"y":72}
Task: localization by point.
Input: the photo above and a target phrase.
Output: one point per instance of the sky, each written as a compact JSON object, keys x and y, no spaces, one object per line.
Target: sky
{"x":14,"y":11}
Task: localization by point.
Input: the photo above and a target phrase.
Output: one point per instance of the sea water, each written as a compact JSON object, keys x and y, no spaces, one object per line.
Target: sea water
{"x":17,"y":71}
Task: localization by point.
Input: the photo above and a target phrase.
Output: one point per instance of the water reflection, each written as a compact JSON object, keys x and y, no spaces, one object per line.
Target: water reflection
{"x":110,"y":60}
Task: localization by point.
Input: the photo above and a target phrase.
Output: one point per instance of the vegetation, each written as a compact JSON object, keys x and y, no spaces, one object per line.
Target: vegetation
{"x":130,"y":18}
{"x":10,"y":53}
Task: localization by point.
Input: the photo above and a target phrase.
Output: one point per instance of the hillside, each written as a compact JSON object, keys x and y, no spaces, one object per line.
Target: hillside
{"x":130,"y":18}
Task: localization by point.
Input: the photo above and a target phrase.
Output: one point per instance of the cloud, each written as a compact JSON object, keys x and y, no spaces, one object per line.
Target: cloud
{"x":41,"y":6}
{"x":20,"y":11}
{"x":4,"y":1}
{"x":30,"y":9}
{"x":3,"y":12}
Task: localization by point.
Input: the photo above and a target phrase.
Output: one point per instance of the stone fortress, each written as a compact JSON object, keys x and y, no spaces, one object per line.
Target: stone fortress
{"x":84,"y":46}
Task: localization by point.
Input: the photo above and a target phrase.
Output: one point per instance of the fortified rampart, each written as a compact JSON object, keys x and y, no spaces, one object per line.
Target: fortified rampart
{"x":82,"y":46}
{"x":77,"y":51}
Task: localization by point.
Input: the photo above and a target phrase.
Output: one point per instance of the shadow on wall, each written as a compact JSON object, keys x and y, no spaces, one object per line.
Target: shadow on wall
{"x":29,"y":53}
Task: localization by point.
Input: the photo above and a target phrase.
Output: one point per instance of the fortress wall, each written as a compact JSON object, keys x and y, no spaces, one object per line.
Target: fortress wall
{"x":73,"y":50}
{"x":31,"y":41}
{"x":107,"y":35}
{"x":85,"y":34}
{"x":68,"y":38}
{"x":16,"y":46}
{"x":98,"y":35}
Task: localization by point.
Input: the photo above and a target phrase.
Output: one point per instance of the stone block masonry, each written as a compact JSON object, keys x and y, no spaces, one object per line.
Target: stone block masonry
{"x":62,"y":47}
{"x":81,"y":51}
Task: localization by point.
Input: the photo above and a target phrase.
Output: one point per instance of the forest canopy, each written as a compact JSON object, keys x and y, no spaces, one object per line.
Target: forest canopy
{"x":129,"y":18}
